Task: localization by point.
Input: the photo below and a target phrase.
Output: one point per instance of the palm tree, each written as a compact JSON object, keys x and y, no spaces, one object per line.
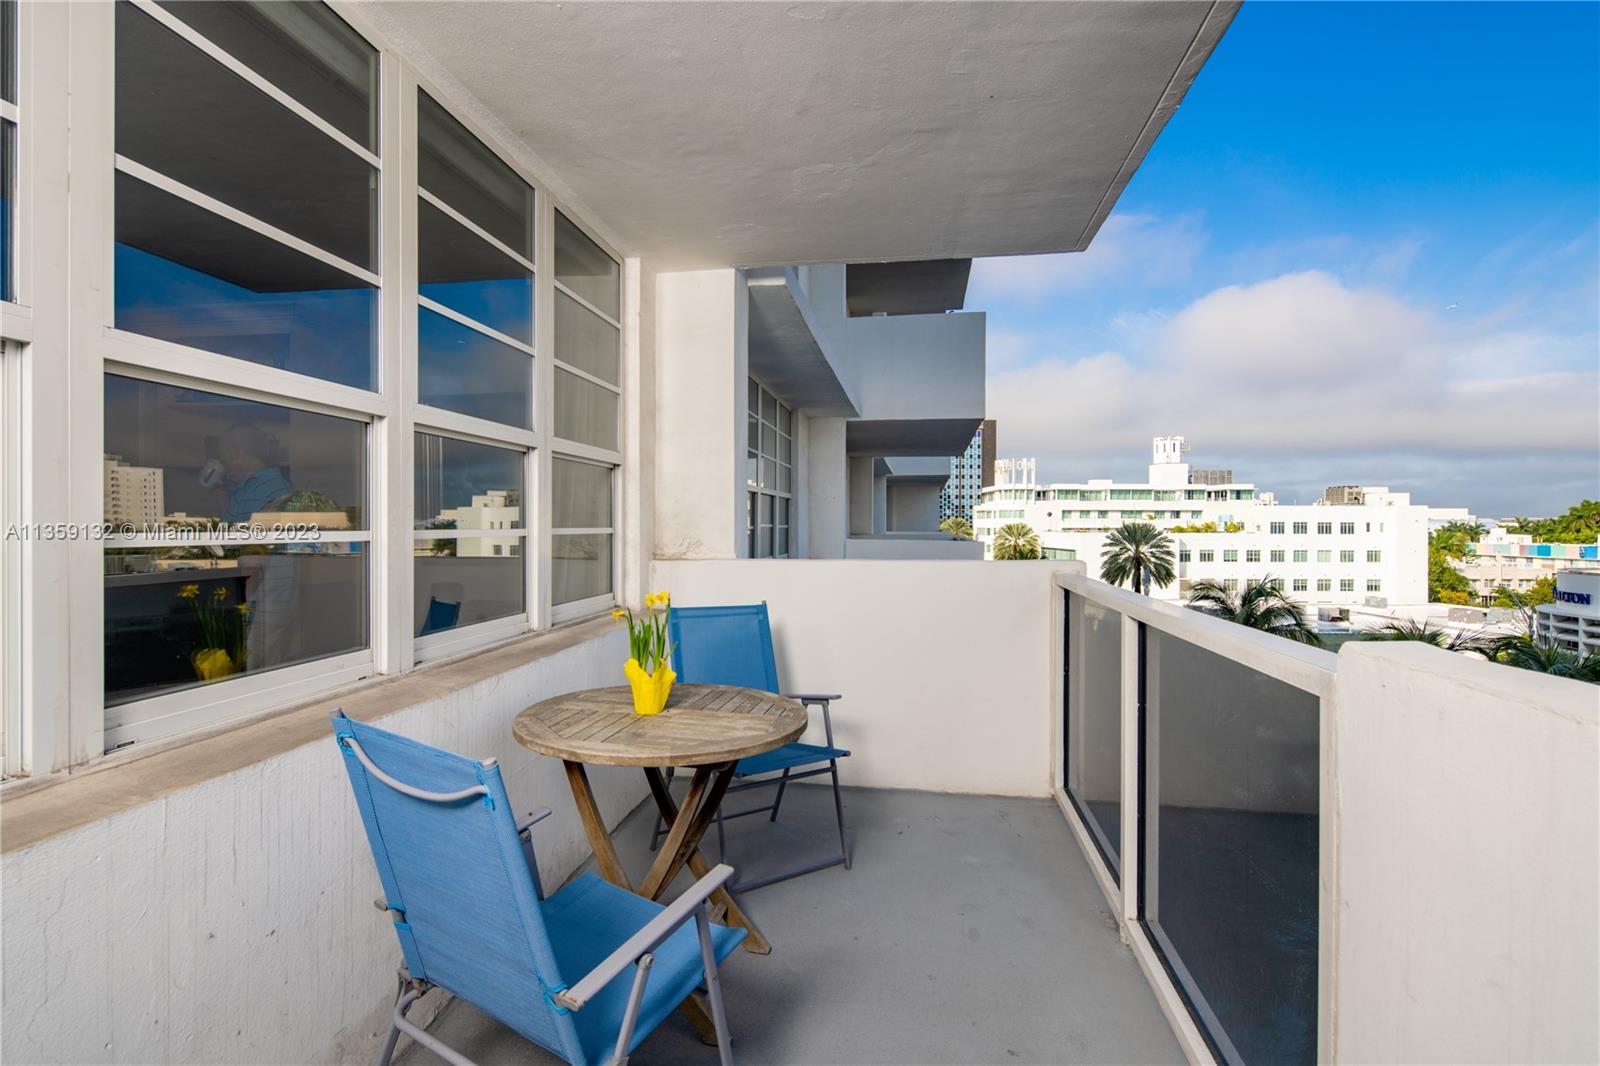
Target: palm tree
{"x":1016,"y":540}
{"x":1259,"y":605}
{"x":1525,"y":653}
{"x":1458,"y":640}
{"x":1139,"y":551}
{"x":956,"y":526}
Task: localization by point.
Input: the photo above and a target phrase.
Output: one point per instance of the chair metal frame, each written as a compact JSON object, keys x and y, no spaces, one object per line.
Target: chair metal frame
{"x":769,"y":682}
{"x":637,"y":951}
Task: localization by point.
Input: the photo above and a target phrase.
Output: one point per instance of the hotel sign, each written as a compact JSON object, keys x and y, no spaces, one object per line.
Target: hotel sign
{"x":1583,"y":599}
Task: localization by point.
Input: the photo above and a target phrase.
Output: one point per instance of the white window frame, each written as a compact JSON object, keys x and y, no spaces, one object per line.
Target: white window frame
{"x":68,"y":54}
{"x":755,"y":489}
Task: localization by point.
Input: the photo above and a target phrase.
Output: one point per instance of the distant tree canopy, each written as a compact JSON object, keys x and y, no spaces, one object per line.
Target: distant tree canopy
{"x":1208,"y":527}
{"x":1580,"y":525}
{"x":1543,"y":591}
{"x":1447,"y":544}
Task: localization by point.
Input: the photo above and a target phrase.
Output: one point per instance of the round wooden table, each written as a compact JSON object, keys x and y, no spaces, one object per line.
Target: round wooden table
{"x":708,"y":727}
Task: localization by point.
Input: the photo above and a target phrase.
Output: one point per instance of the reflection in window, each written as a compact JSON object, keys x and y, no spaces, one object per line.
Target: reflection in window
{"x":468,"y":564}
{"x":581,"y":496}
{"x":459,"y":169}
{"x":465,"y":273}
{"x":584,"y":268}
{"x":8,"y":199}
{"x":1094,"y":723}
{"x":180,"y":457}
{"x":191,"y":277}
{"x":184,"y":114}
{"x":302,"y":48}
{"x":177,"y":618}
{"x":471,"y":373}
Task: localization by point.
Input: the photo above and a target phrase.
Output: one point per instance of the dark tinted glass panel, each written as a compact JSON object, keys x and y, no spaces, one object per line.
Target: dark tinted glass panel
{"x":585,"y":412}
{"x":461,"y":170}
{"x":464,"y":485}
{"x":580,"y":566}
{"x":182,"y":113}
{"x":582,"y":495}
{"x":8,"y":50}
{"x":177,"y":618}
{"x":1094,"y":717}
{"x":585,"y":340}
{"x":466,"y":581}
{"x":183,"y":457}
{"x":1230,"y":884}
{"x":302,"y":48}
{"x":468,"y":275}
{"x":191,"y":277}
{"x":582,"y":267}
{"x":462,"y":370}
{"x":8,"y":195}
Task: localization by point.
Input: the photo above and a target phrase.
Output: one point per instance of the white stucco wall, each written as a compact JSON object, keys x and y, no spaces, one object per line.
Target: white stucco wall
{"x":913,"y":507}
{"x":943,"y":665}
{"x":1467,"y":847}
{"x":702,"y":371}
{"x":233,"y":921}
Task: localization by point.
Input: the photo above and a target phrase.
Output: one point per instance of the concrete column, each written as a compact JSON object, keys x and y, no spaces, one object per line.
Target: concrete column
{"x":702,"y":367}
{"x":860,"y":483}
{"x":826,"y":517}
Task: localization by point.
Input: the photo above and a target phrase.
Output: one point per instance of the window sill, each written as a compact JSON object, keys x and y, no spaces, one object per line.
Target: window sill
{"x":34,"y":810}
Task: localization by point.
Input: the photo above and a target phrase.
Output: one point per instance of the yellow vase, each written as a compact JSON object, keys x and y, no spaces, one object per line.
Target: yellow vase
{"x":650,"y":691}
{"x":213,"y":664}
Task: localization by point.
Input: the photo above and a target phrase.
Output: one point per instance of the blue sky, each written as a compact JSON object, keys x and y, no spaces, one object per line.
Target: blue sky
{"x":1365,"y":249}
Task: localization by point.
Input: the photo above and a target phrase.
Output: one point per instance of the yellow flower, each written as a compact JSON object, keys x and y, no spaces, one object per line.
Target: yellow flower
{"x":618,"y":615}
{"x":243,"y":608}
{"x":650,"y":600}
{"x":219,"y":593}
{"x":189,"y":592}
{"x":666,"y":598}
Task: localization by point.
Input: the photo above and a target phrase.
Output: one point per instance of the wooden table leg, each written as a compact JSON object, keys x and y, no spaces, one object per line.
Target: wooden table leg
{"x":698,"y":821}
{"x":594,"y":826}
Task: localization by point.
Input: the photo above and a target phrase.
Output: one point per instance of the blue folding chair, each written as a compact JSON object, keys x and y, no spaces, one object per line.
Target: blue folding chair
{"x":733,"y":646}
{"x":460,"y":882}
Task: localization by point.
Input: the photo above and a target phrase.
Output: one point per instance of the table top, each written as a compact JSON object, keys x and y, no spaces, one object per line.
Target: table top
{"x":701,"y":725}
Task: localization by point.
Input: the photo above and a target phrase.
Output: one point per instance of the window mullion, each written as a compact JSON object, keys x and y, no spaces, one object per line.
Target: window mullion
{"x":393,"y":440}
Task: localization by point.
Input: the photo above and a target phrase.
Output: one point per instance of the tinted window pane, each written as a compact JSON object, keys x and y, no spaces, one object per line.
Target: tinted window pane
{"x":8,"y":191}
{"x":173,"y":619}
{"x":188,"y":276}
{"x":180,"y":456}
{"x":8,"y":50}
{"x":585,"y":340}
{"x":466,"y":581}
{"x":1231,"y":855}
{"x":462,"y":370}
{"x":460,"y":170}
{"x":582,"y":495}
{"x":1094,"y":716}
{"x":580,"y":566}
{"x":467,"y":274}
{"x":585,"y":412}
{"x":464,"y":485}
{"x":582,"y":267}
{"x":302,"y":48}
{"x":184,"y":114}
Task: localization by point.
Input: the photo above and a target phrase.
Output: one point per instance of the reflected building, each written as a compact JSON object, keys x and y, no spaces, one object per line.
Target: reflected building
{"x":134,"y":495}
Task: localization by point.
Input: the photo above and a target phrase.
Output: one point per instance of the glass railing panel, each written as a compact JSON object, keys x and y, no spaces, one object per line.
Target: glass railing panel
{"x":1093,"y":757}
{"x":1230,"y":847}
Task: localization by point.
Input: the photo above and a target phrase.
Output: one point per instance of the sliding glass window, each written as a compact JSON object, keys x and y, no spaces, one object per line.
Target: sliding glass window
{"x":471,"y":539}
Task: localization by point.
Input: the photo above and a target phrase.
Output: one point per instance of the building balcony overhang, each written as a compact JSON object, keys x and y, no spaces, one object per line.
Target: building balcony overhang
{"x":790,"y":351}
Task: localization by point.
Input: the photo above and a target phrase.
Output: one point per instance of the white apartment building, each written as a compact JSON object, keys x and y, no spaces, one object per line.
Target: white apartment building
{"x":133,"y":494}
{"x":1324,"y":554}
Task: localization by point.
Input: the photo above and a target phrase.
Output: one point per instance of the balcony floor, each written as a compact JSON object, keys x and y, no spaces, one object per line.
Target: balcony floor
{"x":968,"y":930}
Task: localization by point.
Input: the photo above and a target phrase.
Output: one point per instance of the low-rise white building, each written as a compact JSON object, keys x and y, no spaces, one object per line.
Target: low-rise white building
{"x":1325,"y":554}
{"x":1573,"y":621}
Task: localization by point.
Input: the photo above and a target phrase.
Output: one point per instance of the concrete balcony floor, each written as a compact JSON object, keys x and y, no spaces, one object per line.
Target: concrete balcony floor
{"x":968,"y":930}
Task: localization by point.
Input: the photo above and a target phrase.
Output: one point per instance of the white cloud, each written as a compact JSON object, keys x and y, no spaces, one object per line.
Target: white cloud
{"x":1304,"y":373}
{"x":1131,"y":247}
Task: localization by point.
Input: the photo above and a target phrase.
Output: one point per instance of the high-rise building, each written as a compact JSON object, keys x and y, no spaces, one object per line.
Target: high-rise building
{"x":969,"y":473}
{"x":135,"y":495}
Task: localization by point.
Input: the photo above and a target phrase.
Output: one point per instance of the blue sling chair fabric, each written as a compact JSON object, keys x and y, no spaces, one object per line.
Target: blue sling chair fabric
{"x":732,"y":645}
{"x":467,"y":908}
